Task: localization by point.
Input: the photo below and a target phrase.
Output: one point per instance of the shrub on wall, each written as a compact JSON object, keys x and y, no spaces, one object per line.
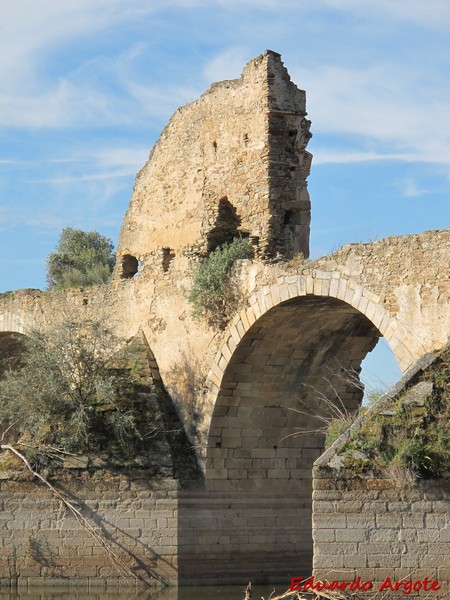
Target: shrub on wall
{"x":212,"y":296}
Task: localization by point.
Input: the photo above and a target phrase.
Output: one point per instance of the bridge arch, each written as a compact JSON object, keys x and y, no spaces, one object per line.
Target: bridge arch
{"x":12,"y":340}
{"x":11,"y":322}
{"x":317,"y":284}
{"x":291,"y":356}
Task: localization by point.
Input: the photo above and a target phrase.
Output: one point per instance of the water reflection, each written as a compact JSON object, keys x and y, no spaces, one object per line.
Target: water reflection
{"x":187,"y":593}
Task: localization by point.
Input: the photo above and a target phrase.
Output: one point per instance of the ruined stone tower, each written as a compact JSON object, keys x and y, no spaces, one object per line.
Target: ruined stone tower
{"x":231,"y":163}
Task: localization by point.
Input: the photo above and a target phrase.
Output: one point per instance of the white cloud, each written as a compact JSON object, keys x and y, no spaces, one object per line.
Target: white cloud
{"x":387,"y":105}
{"x":32,"y":96}
{"x":326,"y":157}
{"x":226,"y":65}
{"x":125,"y":160}
{"x":89,"y":187}
{"x":411,"y":189}
{"x":434,"y":14}
{"x":29,"y":30}
{"x":128,"y":158}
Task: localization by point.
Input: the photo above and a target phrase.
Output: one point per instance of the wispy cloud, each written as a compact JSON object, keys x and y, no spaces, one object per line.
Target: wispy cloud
{"x":103,"y":161}
{"x":384,"y":104}
{"x":226,"y":65}
{"x":327,"y":157}
{"x":409,"y":188}
{"x":31,"y":96}
{"x":434,"y":13}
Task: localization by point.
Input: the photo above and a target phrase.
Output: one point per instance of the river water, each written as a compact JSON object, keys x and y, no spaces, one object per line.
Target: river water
{"x":186,"y":593}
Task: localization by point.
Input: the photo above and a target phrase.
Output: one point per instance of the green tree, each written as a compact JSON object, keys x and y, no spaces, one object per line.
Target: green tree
{"x":81,"y":259}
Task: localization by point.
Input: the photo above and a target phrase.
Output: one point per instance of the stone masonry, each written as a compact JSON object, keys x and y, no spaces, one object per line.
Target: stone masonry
{"x":44,"y":544}
{"x":235,"y":163}
{"x":385,"y":530}
{"x":369,"y":528}
{"x":231,"y":163}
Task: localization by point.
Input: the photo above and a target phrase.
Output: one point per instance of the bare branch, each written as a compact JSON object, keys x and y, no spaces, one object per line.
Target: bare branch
{"x":8,"y":428}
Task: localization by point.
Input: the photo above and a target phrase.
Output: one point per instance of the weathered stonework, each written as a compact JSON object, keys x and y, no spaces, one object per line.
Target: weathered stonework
{"x":43,"y":544}
{"x":377,"y":523}
{"x":376,"y":528}
{"x":234,"y":162}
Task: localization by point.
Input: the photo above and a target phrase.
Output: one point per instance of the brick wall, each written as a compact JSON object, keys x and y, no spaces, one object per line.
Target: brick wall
{"x":375,"y":529}
{"x":43,"y":544}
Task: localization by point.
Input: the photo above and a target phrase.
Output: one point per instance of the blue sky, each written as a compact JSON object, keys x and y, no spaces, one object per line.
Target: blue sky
{"x":87,"y":86}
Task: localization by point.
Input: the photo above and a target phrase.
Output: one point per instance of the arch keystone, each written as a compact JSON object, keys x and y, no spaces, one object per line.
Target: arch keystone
{"x":342,"y":289}
{"x":275,"y":294}
{"x":318,"y":288}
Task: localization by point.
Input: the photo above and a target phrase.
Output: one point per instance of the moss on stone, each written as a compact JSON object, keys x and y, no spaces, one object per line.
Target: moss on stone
{"x":410,"y":432}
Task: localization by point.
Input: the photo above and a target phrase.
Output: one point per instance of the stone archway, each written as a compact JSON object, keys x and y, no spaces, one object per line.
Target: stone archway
{"x":11,"y":322}
{"x":285,"y":360}
{"x":12,"y":346}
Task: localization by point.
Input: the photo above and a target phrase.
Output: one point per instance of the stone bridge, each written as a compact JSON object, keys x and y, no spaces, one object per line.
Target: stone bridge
{"x":253,"y":395}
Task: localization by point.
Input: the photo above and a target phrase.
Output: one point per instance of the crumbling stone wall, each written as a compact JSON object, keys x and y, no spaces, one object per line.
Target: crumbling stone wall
{"x":231,"y":163}
{"x":234,"y":162}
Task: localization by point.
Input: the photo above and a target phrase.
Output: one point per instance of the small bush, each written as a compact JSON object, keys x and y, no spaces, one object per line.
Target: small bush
{"x":8,"y":295}
{"x":212,"y":296}
{"x":336,"y":427}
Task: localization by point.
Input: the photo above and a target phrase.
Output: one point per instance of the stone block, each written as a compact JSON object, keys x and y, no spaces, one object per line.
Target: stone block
{"x":407,"y":535}
{"x":321,"y":507}
{"x":329,"y":521}
{"x":436,"y":521}
{"x":415,"y":521}
{"x":382,"y":561}
{"x":389,"y":520}
{"x":355,"y":561}
{"x":336,"y":495}
{"x":410,"y":561}
{"x":428,"y":535}
{"x":351,"y":535}
{"x":383,"y":535}
{"x":441,"y":506}
{"x":417,"y":548}
{"x":358,"y":521}
{"x":324,"y":535}
{"x":328,"y":561}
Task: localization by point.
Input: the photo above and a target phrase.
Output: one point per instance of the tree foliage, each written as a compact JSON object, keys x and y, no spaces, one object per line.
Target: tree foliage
{"x":68,"y":396}
{"x":81,"y":259}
